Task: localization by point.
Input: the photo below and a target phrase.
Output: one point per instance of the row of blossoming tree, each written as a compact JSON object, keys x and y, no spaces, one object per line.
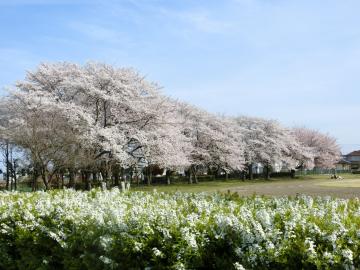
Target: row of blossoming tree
{"x":98,"y":122}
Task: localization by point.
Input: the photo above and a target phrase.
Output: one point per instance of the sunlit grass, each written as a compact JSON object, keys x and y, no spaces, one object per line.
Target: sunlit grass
{"x":224,"y":186}
{"x":341,"y":183}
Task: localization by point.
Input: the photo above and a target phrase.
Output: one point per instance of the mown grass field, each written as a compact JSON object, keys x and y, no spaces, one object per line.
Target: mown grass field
{"x":312,"y":185}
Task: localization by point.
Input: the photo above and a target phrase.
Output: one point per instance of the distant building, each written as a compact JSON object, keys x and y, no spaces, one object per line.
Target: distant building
{"x":354,"y":159}
{"x":343,"y":165}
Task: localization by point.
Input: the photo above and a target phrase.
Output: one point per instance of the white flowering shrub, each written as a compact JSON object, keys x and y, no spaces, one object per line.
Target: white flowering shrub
{"x":68,"y":229}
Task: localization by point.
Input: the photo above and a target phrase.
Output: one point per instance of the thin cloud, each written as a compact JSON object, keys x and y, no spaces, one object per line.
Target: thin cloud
{"x":195,"y":20}
{"x":202,"y":22}
{"x":41,"y":2}
{"x":99,"y":33}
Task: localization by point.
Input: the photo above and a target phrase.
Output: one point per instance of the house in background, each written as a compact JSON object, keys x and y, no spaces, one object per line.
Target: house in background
{"x":343,"y":165}
{"x":354,"y":159}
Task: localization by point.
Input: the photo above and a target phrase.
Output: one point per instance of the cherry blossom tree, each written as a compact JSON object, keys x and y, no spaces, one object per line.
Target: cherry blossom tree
{"x":101,"y":122}
{"x":103,"y":109}
{"x":214,"y":143}
{"x":324,"y":148}
{"x":118,"y":104}
{"x":42,"y":128}
{"x":269,"y":143}
{"x":227,"y":150}
{"x":165,"y":147}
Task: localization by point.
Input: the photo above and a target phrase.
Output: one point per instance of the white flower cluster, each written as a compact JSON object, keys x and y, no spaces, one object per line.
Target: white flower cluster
{"x":179,"y":231}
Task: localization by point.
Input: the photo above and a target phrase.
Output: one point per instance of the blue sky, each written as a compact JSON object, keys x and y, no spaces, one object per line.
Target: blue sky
{"x":294,"y":61}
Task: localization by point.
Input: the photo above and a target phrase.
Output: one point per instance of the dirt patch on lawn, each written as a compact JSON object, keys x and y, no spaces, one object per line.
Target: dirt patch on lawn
{"x":294,"y":187}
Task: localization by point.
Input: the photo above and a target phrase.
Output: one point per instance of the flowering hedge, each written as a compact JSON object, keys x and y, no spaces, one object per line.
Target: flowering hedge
{"x":112,"y":230}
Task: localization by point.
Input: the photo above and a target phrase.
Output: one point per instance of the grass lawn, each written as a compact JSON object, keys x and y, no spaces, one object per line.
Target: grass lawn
{"x":341,"y":183}
{"x":312,"y":185}
{"x":219,"y":185}
{"x":205,"y":186}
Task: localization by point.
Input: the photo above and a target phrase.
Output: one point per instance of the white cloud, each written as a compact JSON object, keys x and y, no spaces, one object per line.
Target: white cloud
{"x":39,"y":2}
{"x":199,"y":20}
{"x":202,"y":22}
{"x":100,"y":33}
{"x":21,"y":2}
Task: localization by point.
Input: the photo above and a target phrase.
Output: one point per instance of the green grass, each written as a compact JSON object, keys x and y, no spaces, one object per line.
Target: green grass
{"x":318,"y":182}
{"x":205,"y":186}
{"x":223,"y":186}
{"x":341,"y":183}
{"x":211,"y":186}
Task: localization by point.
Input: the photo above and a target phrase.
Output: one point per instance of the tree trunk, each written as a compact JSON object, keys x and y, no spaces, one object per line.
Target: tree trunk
{"x":226,"y":175}
{"x":131,"y":176}
{"x":34,"y":179}
{"x":251,"y":175}
{"x":104,"y":173}
{"x":137,"y":180}
{"x":43,"y":176}
{"x":116,"y":176}
{"x":14,"y":175}
{"x":71,"y":178}
{"x":149,"y":177}
{"x":87,"y":180}
{"x":95,"y":176}
{"x":62,"y":180}
{"x":293,"y":173}
{"x":35,"y":176}
{"x":168,"y":177}
{"x":15,"y":181}
{"x":7,"y":166}
{"x":267,"y":172}
{"x":193,"y":172}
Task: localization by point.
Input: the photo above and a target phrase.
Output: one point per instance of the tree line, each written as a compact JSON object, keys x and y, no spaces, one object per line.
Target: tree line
{"x":98,"y":122}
